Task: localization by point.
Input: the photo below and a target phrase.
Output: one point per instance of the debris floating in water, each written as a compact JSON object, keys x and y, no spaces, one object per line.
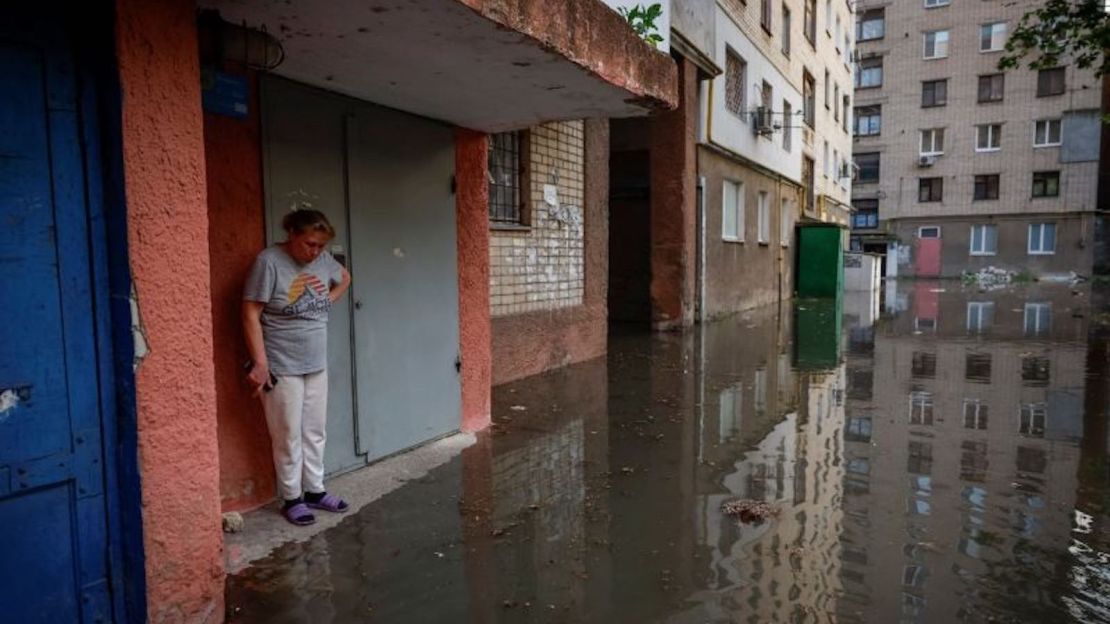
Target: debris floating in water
{"x":750,"y":511}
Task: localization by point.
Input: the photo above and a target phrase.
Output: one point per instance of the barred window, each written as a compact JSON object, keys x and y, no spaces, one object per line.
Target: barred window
{"x":735,"y":68}
{"x":508,"y":158}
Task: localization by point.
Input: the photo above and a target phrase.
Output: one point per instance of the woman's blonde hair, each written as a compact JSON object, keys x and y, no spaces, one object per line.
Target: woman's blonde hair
{"x":301,"y":221}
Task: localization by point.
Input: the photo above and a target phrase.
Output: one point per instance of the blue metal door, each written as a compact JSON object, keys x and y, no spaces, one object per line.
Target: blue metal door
{"x":54,"y":518}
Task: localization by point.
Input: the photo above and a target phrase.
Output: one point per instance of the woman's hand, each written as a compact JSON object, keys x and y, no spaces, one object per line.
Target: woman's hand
{"x":337,"y":290}
{"x":259,"y":377}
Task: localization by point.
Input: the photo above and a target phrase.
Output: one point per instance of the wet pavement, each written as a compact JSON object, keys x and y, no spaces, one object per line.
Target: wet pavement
{"x":943,"y":460}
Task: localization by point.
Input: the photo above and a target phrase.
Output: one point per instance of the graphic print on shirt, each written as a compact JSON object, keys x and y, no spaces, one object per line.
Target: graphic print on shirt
{"x":308,"y":297}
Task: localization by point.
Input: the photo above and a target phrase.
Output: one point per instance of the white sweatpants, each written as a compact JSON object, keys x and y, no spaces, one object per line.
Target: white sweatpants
{"x":296,"y":415}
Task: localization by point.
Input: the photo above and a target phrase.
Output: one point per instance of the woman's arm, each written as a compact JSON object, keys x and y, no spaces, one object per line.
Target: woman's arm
{"x":340,"y":288}
{"x":252,"y":330}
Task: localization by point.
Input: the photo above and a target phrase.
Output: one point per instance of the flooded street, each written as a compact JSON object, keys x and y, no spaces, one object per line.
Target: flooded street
{"x":941,"y":460}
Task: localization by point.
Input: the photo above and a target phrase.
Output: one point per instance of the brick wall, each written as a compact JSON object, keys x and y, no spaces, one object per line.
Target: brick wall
{"x":542,"y":267}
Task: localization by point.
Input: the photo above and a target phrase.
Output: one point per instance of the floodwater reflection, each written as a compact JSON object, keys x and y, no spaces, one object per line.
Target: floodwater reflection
{"x":943,"y":463}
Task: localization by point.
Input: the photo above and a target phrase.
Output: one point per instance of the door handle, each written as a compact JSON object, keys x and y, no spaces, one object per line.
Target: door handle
{"x":358,"y":305}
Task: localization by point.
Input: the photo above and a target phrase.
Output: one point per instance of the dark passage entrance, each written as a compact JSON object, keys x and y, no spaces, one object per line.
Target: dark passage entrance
{"x":629,"y":222}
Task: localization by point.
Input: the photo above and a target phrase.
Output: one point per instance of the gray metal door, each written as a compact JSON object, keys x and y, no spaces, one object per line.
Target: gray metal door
{"x":405,"y":289}
{"x":303,"y":151}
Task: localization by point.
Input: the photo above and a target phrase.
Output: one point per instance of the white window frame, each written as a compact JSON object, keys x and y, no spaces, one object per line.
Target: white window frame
{"x":920,"y":401}
{"x":785,"y":222}
{"x":933,"y":4}
{"x":763,"y":218}
{"x":979,"y":310}
{"x":982,"y":238}
{"x":1002,"y":38}
{"x":933,"y":133}
{"x":1048,"y":125}
{"x":1041,"y":315}
{"x":1040,"y":250}
{"x":737,"y":209}
{"x":1028,"y":415}
{"x":993,"y":137}
{"x":980,"y":415}
{"x":922,"y":229}
{"x":936,"y":44}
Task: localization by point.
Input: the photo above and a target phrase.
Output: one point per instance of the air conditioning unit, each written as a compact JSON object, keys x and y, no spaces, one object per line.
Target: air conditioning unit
{"x":761,"y":121}
{"x":926,"y":161}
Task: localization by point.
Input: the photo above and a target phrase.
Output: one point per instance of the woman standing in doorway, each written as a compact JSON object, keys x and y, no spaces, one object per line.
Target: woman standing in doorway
{"x":286,"y":302}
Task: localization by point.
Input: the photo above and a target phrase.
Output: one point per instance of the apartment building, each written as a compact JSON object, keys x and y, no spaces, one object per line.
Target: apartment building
{"x":959,"y":165}
{"x":774,"y":144}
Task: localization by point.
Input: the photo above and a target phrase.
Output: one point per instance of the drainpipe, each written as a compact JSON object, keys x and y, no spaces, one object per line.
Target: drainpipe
{"x":702,"y":240}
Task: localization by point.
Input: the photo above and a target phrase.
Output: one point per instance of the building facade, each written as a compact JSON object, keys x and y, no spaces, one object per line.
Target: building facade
{"x":960,"y":165}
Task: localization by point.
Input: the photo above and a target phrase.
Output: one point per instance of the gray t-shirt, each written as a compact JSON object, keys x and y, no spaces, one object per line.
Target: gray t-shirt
{"x":295,"y":319}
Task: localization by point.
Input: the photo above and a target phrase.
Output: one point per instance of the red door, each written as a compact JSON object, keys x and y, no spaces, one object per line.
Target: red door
{"x":927,"y":263}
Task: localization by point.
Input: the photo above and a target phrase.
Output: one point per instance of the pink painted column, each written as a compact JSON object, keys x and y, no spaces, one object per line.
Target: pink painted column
{"x":472,"y":210}
{"x":163,"y":154}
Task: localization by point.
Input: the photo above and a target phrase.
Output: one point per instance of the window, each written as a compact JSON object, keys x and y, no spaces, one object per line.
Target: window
{"x":991,"y":87}
{"x":765,"y":7}
{"x":787,"y":125}
{"x":977,"y":368}
{"x":992,"y":37}
{"x":936,"y":44}
{"x":932,"y":142}
{"x":858,"y":430}
{"x":836,"y":34}
{"x":934,"y":93}
{"x":871,"y":25}
{"x":984,"y":239}
{"x":868,"y":167}
{"x":1046,"y":184}
{"x":786,"y":223}
{"x":923,"y":365}
{"x":735,"y":74}
{"x":869,"y":73}
{"x":766,"y":98}
{"x":810,"y":18}
{"x":847,"y":49}
{"x":763,"y":217}
{"x":980,"y":316}
{"x":921,"y":408}
{"x":828,"y":83}
{"x":986,"y":187}
{"x":929,"y":4}
{"x":732,"y":217}
{"x":868,"y":120}
{"x":1038,"y":318}
{"x":825,"y":161}
{"x":1035,"y":371}
{"x":930,"y":190}
{"x":507,"y":161}
{"x":785,"y":30}
{"x":1042,"y":238}
{"x":928,"y":231}
{"x":847,"y":105}
{"x":809,"y":103}
{"x":836,"y":102}
{"x":828,"y":16}
{"x":919,"y":459}
{"x":1032,"y":419}
{"x":1050,"y":82}
{"x":808,"y":172}
{"x":975,"y":414}
{"x":988,"y":138}
{"x":866,"y":215}
{"x":1046,"y":133}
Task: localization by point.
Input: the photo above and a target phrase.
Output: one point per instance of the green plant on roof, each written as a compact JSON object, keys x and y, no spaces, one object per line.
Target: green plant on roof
{"x":642,"y":21}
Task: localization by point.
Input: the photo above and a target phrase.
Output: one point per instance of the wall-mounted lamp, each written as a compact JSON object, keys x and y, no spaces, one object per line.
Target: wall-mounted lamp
{"x":221,"y":41}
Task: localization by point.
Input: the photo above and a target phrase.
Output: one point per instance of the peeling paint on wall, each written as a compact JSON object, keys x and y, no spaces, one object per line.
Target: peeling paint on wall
{"x":10,"y":398}
{"x":138,"y":332}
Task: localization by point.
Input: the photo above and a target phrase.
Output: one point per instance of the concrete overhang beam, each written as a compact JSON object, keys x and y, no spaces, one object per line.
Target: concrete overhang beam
{"x":489,"y":65}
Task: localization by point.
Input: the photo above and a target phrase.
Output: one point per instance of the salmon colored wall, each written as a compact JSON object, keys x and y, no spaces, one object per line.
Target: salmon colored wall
{"x":471,"y":198}
{"x":236,"y":233}
{"x":163,"y":156}
{"x":534,"y":342}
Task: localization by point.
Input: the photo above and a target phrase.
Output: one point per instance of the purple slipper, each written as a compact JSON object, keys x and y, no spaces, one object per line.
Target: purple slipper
{"x":299,"y":515}
{"x":329,"y":502}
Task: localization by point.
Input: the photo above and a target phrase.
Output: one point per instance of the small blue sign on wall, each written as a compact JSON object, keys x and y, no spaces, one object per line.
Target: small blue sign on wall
{"x":224,"y":94}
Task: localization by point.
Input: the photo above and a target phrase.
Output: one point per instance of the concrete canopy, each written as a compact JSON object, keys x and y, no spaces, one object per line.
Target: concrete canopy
{"x":489,"y":65}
